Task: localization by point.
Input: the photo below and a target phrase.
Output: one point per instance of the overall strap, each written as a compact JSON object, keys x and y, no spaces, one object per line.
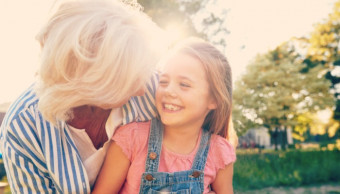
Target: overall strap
{"x":202,"y":153}
{"x":154,"y":146}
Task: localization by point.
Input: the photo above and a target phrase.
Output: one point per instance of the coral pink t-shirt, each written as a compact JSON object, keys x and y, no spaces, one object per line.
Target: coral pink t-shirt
{"x":133,"y":139}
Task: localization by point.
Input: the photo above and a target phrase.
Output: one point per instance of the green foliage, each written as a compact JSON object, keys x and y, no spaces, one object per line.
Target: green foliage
{"x":292,"y":81}
{"x":274,"y":90}
{"x":323,"y":48}
{"x":292,"y":168}
{"x":323,"y":42}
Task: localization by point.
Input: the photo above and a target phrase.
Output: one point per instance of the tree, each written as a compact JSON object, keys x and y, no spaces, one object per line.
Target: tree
{"x":323,"y":50}
{"x":275,"y":90}
{"x":309,"y":124}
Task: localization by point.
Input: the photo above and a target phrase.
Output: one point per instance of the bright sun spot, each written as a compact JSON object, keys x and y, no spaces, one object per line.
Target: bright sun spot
{"x":324,"y":115}
{"x":174,"y":32}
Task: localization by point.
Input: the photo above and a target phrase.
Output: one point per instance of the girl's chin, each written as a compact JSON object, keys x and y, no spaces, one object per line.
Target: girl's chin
{"x":169,"y":122}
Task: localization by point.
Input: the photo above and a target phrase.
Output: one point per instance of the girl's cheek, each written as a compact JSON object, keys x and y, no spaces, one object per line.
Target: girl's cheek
{"x":158,"y":94}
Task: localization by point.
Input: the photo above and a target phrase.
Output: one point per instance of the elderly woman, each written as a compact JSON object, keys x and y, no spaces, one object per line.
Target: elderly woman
{"x":96,"y":60}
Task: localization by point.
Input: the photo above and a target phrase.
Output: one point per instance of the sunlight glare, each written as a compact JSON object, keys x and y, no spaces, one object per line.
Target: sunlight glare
{"x":324,"y":115}
{"x":174,"y":32}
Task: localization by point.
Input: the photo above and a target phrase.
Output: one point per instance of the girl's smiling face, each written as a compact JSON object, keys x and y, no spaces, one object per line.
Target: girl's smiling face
{"x":183,"y":96}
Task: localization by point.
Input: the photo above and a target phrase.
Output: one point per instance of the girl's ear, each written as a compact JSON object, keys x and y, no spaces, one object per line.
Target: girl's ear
{"x":212,"y":105}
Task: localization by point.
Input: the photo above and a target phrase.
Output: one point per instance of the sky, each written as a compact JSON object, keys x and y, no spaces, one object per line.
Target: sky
{"x":255,"y":26}
{"x":259,"y":25}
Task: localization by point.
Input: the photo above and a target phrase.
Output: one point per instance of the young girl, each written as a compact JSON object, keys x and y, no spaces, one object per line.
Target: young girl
{"x":184,"y":152}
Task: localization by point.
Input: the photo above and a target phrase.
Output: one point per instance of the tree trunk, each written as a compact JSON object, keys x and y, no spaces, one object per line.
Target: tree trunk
{"x":275,"y":137}
{"x":284,"y":139}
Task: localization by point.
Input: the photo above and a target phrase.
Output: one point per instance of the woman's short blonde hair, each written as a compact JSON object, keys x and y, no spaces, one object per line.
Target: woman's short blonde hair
{"x":219,"y":77}
{"x":94,"y":52}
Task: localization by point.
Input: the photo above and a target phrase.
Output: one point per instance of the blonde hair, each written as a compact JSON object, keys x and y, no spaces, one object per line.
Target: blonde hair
{"x":219,"y":78}
{"x":93,"y":53}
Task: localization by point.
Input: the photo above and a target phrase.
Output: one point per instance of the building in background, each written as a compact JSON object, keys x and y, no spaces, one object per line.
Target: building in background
{"x":261,"y":138}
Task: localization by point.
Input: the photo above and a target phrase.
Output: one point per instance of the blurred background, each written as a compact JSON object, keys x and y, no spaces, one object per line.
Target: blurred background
{"x":285,"y":59}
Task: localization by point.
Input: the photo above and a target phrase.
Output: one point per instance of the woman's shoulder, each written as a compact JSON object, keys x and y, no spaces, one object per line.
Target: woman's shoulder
{"x":22,"y":122}
{"x":142,"y":108}
{"x":24,"y":107}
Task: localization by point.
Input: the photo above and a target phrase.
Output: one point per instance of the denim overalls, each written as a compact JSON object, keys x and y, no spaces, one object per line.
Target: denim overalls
{"x":183,"y":182}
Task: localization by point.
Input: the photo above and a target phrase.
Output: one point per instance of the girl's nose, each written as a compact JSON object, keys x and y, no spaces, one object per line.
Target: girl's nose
{"x":170,"y":91}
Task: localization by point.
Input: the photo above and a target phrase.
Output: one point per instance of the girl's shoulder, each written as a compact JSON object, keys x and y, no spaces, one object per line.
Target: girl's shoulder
{"x":140,"y":128}
{"x":221,"y":143}
{"x":132,"y":138}
{"x":221,"y":151}
{"x":133,"y":132}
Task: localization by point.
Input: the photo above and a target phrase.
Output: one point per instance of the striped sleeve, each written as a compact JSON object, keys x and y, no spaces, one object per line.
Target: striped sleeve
{"x":39,"y":157}
{"x":142,"y":108}
{"x":25,"y":166}
{"x":23,"y":173}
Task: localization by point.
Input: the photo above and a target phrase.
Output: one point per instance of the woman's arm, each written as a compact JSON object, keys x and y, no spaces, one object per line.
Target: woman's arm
{"x":23,"y":173}
{"x":113,"y":172}
{"x":223,"y":183}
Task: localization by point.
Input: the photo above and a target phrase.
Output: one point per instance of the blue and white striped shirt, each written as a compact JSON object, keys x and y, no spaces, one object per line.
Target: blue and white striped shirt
{"x":42,"y":158}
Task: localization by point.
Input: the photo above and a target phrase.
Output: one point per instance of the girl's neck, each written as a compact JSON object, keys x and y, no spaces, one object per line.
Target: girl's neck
{"x":181,"y":140}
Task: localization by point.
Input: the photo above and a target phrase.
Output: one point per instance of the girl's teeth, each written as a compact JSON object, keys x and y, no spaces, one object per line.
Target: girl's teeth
{"x":171,"y":107}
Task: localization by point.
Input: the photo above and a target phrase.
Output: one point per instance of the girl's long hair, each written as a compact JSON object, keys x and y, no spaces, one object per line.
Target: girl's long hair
{"x":218,"y":71}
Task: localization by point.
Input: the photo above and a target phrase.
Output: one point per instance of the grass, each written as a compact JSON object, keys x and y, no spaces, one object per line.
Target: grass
{"x":289,"y":168}
{"x":273,"y":171}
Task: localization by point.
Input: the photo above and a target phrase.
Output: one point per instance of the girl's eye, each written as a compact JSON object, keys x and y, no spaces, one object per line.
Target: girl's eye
{"x":184,"y":85}
{"x":163,"y":82}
